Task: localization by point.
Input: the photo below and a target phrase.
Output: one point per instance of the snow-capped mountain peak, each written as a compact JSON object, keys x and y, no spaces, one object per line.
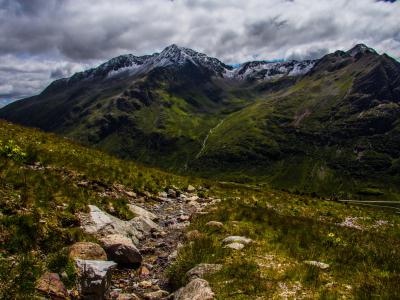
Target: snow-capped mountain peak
{"x":174,"y":56}
{"x":360,"y":49}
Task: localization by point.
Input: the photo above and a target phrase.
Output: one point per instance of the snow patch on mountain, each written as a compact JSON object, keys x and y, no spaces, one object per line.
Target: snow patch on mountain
{"x":269,"y":70}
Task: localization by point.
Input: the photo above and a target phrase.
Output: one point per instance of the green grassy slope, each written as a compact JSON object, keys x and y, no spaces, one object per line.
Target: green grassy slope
{"x":42,"y":188}
{"x":288,"y":230}
{"x":326,"y":133}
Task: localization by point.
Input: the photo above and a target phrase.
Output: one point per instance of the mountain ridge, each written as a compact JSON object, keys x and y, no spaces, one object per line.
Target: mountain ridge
{"x":159,"y":110}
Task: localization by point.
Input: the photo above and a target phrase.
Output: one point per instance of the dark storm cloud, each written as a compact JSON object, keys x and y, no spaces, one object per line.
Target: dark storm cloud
{"x":45,"y":39}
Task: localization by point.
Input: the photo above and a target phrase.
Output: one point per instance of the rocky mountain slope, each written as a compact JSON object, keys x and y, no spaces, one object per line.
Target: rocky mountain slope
{"x":77,"y":223}
{"x":310,"y":125}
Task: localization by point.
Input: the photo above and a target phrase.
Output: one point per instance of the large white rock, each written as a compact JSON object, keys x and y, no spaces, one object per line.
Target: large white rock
{"x":121,"y":249}
{"x":94,"y":278}
{"x":100,"y":224}
{"x":197,"y":289}
{"x":141,"y":212}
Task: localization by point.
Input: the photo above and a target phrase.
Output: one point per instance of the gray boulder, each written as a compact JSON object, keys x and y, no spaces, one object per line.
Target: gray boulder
{"x":94,"y":278}
{"x":141,"y":212}
{"x":197,"y":289}
{"x":121,"y":250}
{"x":100,"y":224}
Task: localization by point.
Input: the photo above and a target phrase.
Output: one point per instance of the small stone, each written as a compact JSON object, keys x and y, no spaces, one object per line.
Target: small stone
{"x":235,"y":246}
{"x":193,"y":235}
{"x":64,"y":276}
{"x":191,"y":188}
{"x":157,"y":234}
{"x":128,"y":297}
{"x":238,"y":239}
{"x":202,"y":269}
{"x":215,"y":224}
{"x":156,"y":295}
{"x":162,"y":194}
{"x":114,"y":294}
{"x":51,"y":284}
{"x":318,"y":264}
{"x":171,"y":193}
{"x":87,"y":250}
{"x":173,"y":255}
{"x":183,"y":218}
{"x":143,"y":271}
{"x":145,"y":284}
{"x":130,"y":194}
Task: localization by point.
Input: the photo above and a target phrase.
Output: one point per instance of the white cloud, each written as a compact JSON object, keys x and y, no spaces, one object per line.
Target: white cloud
{"x":57,"y":37}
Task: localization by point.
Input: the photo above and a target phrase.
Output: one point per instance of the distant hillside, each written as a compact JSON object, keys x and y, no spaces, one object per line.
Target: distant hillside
{"x":328,"y":125}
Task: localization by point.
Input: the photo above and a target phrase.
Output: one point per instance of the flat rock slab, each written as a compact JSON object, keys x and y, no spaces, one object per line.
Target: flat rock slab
{"x":215,"y":224}
{"x":202,"y":269}
{"x":100,"y":224}
{"x":236,"y":239}
{"x":318,"y":264}
{"x":235,"y":246}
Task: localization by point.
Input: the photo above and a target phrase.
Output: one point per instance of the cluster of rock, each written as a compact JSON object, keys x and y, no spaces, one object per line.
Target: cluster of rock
{"x":129,"y":259}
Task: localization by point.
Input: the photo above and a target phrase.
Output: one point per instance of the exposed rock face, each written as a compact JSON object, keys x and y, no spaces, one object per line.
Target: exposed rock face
{"x":87,"y":250}
{"x":51,"y":285}
{"x":100,"y":224}
{"x":94,"y":278}
{"x":202,"y":269}
{"x":197,"y":289}
{"x":141,"y":212}
{"x":121,"y":250}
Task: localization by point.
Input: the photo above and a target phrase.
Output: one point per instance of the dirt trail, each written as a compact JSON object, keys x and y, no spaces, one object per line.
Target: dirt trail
{"x":159,"y":250}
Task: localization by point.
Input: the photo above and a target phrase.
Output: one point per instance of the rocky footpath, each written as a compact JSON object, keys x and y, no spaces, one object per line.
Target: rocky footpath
{"x":130,"y":258}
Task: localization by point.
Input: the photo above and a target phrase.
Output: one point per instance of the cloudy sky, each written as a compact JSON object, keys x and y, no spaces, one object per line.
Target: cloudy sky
{"x":42,"y":40}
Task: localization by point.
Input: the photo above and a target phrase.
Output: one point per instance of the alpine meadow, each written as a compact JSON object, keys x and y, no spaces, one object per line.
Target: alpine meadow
{"x":178,"y":175}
